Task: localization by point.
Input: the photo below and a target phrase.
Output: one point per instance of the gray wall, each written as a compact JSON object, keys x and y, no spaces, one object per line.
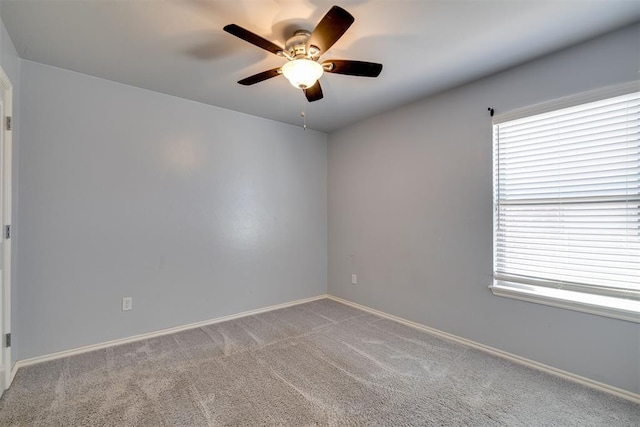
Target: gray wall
{"x":10,"y":63}
{"x":194,"y":211}
{"x":410,"y":211}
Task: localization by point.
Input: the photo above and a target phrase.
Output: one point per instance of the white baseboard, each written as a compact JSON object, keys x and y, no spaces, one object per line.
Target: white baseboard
{"x":14,"y":371}
{"x":625,"y":394}
{"x":3,"y":379}
{"x":99,"y":346}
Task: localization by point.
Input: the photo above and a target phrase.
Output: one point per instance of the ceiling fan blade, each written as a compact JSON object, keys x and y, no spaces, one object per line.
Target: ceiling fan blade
{"x":257,"y":78}
{"x":252,"y":38}
{"x":330,"y":28}
{"x":314,"y":93}
{"x":353,"y":68}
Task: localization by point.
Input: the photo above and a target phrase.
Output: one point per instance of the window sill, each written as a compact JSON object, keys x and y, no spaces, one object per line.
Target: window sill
{"x":617,"y":308}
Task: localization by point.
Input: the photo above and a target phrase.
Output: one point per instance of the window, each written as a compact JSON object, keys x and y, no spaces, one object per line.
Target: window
{"x":567,"y":204}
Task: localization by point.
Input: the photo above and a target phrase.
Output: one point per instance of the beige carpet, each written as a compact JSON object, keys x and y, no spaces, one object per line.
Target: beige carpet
{"x":320,"y":363}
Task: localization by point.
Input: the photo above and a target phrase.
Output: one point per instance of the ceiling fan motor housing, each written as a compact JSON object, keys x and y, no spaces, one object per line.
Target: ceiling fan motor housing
{"x":296,"y":46}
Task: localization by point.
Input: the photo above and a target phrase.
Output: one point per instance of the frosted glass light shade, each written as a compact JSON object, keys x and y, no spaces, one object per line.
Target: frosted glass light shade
{"x":302,"y":73}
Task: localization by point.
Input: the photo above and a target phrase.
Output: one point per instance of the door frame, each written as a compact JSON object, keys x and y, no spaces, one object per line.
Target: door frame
{"x":6,"y":206}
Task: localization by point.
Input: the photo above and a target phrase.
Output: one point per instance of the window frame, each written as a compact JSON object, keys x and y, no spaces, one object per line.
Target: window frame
{"x":614,"y":307}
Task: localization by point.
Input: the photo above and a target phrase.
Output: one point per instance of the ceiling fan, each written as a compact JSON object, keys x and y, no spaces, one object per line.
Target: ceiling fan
{"x":303,"y":51}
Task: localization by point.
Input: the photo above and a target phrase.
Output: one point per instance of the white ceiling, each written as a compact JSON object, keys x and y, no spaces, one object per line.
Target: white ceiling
{"x":178,"y":47}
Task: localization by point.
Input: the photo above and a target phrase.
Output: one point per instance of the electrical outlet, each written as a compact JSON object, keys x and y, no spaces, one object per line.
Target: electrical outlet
{"x":354,"y":279}
{"x":127,"y":303}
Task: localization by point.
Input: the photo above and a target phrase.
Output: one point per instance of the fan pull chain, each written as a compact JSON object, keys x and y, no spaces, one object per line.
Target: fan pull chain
{"x":304,"y":116}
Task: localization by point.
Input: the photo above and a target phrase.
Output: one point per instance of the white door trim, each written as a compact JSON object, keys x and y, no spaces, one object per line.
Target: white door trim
{"x":7,"y":165}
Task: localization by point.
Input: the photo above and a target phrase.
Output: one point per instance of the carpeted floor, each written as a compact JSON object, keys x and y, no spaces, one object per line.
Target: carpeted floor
{"x":320,"y":363}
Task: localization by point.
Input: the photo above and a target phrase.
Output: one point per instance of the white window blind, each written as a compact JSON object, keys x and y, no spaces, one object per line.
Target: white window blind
{"x":567,"y":205}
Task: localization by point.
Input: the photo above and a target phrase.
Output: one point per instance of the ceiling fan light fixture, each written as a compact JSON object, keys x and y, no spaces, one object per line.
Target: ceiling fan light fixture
{"x":302,"y":73}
